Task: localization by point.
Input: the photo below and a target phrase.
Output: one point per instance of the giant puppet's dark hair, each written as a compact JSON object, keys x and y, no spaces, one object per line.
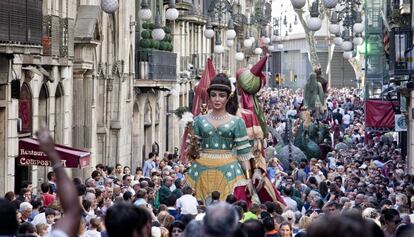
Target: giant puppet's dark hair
{"x":221,"y":82}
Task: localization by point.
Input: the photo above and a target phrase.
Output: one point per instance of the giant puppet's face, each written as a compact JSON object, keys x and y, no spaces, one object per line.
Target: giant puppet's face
{"x":218,"y":99}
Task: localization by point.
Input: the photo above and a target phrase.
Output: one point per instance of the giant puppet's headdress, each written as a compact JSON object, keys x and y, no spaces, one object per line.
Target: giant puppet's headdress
{"x":250,"y":81}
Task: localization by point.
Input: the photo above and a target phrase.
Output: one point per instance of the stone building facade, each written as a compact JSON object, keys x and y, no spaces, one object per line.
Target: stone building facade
{"x":77,"y":68}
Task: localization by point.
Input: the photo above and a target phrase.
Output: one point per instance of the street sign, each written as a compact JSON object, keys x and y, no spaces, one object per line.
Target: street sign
{"x":400,"y":123}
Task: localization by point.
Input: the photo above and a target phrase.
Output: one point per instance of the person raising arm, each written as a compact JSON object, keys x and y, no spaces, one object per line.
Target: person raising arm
{"x":68,"y":225}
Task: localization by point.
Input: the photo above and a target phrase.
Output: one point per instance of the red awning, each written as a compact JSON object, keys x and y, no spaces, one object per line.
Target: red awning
{"x":30,"y":154}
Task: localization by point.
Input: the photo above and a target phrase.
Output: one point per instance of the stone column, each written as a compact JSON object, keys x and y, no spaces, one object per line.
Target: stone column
{"x":78,"y":119}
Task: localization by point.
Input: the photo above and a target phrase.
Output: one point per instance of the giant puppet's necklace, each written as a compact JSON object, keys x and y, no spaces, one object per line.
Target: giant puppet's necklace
{"x":222,"y":117}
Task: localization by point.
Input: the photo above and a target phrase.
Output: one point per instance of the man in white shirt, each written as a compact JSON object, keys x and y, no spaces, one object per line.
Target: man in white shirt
{"x":290,"y":203}
{"x":187,"y":204}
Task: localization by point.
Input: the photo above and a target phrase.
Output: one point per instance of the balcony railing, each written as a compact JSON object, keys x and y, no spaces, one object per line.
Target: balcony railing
{"x":401,"y":52}
{"x":155,"y":64}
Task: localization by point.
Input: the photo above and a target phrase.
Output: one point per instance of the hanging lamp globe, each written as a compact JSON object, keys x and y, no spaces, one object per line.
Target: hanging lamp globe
{"x":218,"y":49}
{"x":334,"y":28}
{"x":347,"y":54}
{"x":158,"y":33}
{"x":358,"y":27}
{"x":338,"y":40}
{"x":330,"y":3}
{"x":145,"y":12}
{"x":109,"y":6}
{"x":358,"y":40}
{"x":298,"y":4}
{"x":209,"y":32}
{"x":247,"y":43}
{"x":258,"y":51}
{"x":314,"y":23}
{"x":229,"y":43}
{"x":266,"y":40}
{"x":172,"y":13}
{"x":253,"y":39}
{"x":239,"y":56}
{"x":346,"y":45}
{"x":271,"y":48}
{"x":230,"y":33}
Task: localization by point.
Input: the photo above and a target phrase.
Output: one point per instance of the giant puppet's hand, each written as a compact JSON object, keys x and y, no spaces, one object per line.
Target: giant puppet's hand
{"x":258,"y":178}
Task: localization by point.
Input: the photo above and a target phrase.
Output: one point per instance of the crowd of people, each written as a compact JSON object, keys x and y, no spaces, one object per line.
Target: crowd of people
{"x":359,"y":188}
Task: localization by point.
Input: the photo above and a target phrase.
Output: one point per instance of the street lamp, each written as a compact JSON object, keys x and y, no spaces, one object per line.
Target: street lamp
{"x":209,"y":32}
{"x":346,"y":44}
{"x":334,"y":27}
{"x":109,"y":6}
{"x":338,"y":39}
{"x":172,"y":13}
{"x":330,"y":3}
{"x":314,"y":23}
{"x":258,"y":50}
{"x":358,"y":26}
{"x":247,"y":43}
{"x":239,"y":55}
{"x":230,"y":33}
{"x":145,"y":12}
{"x":298,"y":4}
{"x":158,"y":33}
{"x":218,"y":48}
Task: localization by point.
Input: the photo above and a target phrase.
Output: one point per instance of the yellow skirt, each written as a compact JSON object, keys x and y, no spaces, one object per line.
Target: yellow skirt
{"x":215,"y":170}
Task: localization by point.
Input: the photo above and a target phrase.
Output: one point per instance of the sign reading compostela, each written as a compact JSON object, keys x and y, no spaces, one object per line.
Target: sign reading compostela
{"x":31,"y":155}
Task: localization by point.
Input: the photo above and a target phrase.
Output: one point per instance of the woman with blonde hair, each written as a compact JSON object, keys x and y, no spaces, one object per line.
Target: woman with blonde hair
{"x":304,"y":222}
{"x":165,"y":219}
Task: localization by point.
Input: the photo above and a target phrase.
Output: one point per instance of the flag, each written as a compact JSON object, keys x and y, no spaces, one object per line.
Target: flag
{"x":200,"y":91}
{"x":200,"y":97}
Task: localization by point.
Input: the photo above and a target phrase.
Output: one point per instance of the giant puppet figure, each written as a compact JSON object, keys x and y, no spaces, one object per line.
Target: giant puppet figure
{"x":314,"y":97}
{"x":249,"y":82}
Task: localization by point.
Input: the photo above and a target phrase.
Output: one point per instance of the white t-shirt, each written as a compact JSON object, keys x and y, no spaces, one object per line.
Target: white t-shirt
{"x":290,"y":203}
{"x":346,"y":119}
{"x":92,"y":233}
{"x":57,"y":233}
{"x":187,"y":204}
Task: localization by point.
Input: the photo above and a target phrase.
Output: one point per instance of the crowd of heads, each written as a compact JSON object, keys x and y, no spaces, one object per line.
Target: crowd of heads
{"x":359,"y":187}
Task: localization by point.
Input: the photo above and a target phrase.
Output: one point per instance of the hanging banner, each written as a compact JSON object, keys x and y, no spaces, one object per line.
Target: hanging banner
{"x":400,"y":123}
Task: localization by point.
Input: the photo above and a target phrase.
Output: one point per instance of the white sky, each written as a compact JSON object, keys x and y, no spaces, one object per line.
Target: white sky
{"x":282,"y":8}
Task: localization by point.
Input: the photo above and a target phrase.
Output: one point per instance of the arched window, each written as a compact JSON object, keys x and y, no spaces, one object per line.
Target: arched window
{"x":25,"y":108}
{"x":59,"y":114}
{"x":148,"y":114}
{"x":43,"y":105}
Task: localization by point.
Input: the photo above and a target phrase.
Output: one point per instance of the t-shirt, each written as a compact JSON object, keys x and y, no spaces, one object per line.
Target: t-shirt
{"x":187,"y":204}
{"x":48,"y":199}
{"x":57,"y":233}
{"x":346,"y":119}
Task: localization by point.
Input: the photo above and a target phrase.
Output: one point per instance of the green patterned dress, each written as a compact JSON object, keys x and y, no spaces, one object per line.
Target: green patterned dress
{"x":221,"y":150}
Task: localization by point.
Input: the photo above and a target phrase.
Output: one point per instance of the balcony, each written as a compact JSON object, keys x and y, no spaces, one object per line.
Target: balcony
{"x":21,"y":26}
{"x":401,"y":52}
{"x":158,"y":65}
